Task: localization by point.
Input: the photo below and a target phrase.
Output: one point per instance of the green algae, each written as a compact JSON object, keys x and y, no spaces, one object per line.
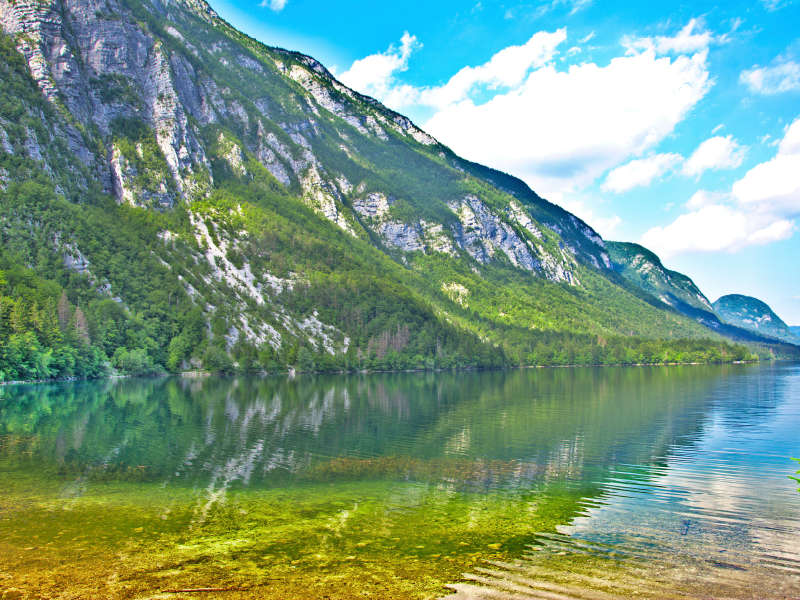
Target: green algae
{"x":385,"y":486}
{"x":382,"y":537}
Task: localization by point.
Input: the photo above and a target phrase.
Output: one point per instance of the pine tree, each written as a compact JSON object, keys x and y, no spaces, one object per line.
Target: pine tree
{"x":18,"y":318}
{"x":51,"y":331}
{"x":64,"y":312}
{"x":35,"y":317}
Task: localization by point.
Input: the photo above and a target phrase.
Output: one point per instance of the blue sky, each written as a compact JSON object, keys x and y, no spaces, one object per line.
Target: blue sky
{"x":664,"y":123}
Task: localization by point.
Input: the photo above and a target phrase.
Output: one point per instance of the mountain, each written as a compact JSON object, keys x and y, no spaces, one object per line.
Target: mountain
{"x":644,"y":269}
{"x":795,"y":329}
{"x":176,"y":195}
{"x":751,"y":313}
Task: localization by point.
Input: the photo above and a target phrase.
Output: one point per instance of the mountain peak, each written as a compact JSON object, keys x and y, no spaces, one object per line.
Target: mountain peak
{"x":751,"y":313}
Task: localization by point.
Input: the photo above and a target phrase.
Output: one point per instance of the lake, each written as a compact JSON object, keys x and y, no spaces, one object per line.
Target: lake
{"x":536,"y":483}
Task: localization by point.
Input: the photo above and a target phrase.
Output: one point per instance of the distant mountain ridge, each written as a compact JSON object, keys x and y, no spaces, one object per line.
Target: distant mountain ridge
{"x":751,"y":313}
{"x":643,"y":268}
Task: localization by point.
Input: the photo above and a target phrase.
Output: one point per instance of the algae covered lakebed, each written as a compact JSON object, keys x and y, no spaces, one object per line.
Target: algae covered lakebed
{"x":576,"y":482}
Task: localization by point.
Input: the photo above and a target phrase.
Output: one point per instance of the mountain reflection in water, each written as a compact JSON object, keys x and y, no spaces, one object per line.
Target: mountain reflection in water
{"x":532,"y":482}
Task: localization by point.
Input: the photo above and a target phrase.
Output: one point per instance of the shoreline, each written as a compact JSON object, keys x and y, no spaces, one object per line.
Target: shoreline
{"x":293,"y":373}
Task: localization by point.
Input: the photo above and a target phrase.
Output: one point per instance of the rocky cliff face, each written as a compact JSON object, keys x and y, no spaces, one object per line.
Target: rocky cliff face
{"x":108,"y":66}
{"x":164,"y":107}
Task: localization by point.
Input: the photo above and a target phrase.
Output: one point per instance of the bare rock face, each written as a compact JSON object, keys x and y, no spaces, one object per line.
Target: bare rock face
{"x":322,"y":196}
{"x":401,"y":235}
{"x":373,"y":206}
{"x":481,"y":233}
{"x":102,"y":67}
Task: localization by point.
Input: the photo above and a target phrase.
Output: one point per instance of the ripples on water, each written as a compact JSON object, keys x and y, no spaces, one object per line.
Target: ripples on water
{"x":713,"y":517}
{"x":558,"y":483}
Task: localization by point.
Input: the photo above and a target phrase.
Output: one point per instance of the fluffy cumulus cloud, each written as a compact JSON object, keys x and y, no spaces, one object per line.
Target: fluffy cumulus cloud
{"x":639,"y":172}
{"x":782,"y":77}
{"x":546,"y":132}
{"x":274,"y":5}
{"x":761,"y":208}
{"x":702,"y":198}
{"x":375,"y":74}
{"x":774,"y":186}
{"x":715,"y":153}
{"x":712,"y":229}
{"x":558,"y":130}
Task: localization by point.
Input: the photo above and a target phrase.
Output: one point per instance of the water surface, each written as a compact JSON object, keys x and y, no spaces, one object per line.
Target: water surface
{"x":587,"y":483}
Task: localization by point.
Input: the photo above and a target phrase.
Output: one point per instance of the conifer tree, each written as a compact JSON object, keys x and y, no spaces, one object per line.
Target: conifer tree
{"x":18,"y":320}
{"x":51,"y":331}
{"x":35,"y":317}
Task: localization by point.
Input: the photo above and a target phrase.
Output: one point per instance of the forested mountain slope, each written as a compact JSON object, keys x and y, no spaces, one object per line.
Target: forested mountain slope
{"x":753,"y":314}
{"x":176,"y":195}
{"x":643,"y":268}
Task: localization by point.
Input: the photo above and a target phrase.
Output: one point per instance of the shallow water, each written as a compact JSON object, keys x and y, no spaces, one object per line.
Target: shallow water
{"x":586,"y":483}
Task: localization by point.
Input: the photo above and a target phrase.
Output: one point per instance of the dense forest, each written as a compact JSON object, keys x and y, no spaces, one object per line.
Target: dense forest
{"x":58,"y":323}
{"x":244,"y":273}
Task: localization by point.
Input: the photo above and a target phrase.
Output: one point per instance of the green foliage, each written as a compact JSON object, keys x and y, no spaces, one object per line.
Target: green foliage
{"x":136,"y":362}
{"x":216,"y":360}
{"x":116,"y":88}
{"x":797,"y":479}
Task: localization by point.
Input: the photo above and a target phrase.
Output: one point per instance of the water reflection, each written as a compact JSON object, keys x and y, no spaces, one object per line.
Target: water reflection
{"x":676,"y":467}
{"x":259,"y":431}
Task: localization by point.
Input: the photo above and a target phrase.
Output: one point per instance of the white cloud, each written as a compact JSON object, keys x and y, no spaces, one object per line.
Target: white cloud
{"x":765,"y":203}
{"x":783,"y":77}
{"x":573,"y":5}
{"x":559,"y":131}
{"x":586,"y":39}
{"x":702,"y":198}
{"x":375,"y":74}
{"x":718,"y":127}
{"x":715,"y":228}
{"x":714,"y":153}
{"x":689,"y":39}
{"x":774,"y":186}
{"x":274,"y":5}
{"x":772,"y":5}
{"x":639,"y":172}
